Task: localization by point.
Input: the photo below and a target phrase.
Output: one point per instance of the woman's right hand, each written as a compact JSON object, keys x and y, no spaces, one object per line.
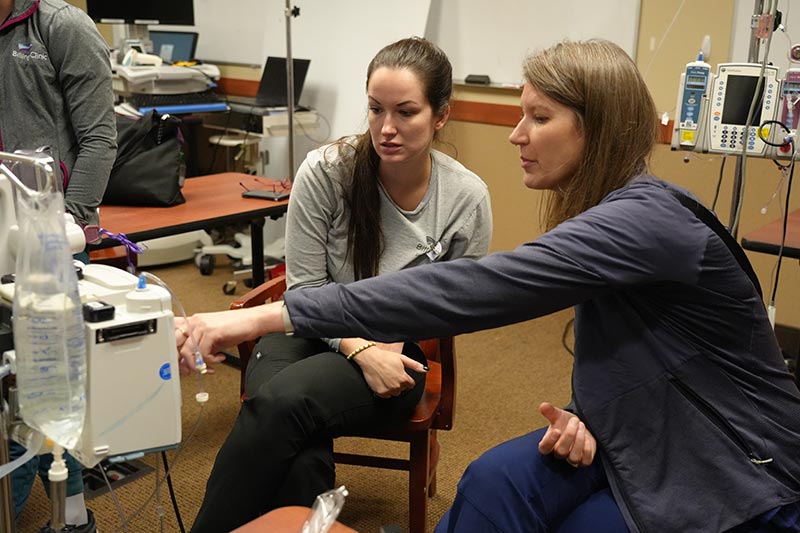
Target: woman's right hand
{"x":567,"y":437}
{"x":384,"y":369}
{"x":212,"y":332}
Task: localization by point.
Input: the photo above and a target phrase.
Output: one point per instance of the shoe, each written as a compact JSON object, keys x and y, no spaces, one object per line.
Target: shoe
{"x":88,"y":527}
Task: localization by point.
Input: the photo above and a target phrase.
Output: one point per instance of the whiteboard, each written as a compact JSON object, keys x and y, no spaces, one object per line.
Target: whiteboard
{"x":340,"y":38}
{"x":483,"y":37}
{"x":781,"y":41}
{"x":232,"y":31}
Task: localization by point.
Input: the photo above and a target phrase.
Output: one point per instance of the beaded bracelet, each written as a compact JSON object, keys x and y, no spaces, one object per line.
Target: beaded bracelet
{"x":359,"y":350}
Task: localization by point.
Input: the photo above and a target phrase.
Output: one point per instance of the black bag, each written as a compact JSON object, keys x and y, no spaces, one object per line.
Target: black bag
{"x":148,"y":170}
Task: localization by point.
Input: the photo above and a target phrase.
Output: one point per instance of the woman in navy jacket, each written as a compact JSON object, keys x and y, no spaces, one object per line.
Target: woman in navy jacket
{"x":684,"y":417}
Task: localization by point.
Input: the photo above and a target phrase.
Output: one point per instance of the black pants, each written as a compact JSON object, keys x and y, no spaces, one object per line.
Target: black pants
{"x":299,"y":396}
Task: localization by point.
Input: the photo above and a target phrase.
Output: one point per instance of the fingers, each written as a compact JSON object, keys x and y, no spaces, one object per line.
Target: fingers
{"x":566,"y":442}
{"x":550,"y":412}
{"x":575,"y":456}
{"x":549,"y":440}
{"x":414,"y":365}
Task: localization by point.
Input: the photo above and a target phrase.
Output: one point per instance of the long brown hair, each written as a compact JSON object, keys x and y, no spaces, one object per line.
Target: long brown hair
{"x":365,"y":239}
{"x":616,"y":113}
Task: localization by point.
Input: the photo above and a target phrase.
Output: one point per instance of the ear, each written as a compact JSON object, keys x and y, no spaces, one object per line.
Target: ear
{"x":442,"y":120}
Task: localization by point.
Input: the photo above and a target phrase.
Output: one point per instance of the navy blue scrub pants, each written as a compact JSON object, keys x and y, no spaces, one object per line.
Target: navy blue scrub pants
{"x":299,"y":396}
{"x":514,"y":488}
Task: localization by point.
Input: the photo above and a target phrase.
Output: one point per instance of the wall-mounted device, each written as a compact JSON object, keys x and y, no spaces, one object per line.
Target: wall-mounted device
{"x":733,"y":90}
{"x":691,"y":103}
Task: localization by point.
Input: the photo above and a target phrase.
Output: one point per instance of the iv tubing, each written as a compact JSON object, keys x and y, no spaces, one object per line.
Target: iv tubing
{"x":199,"y":362}
{"x":32,"y":448}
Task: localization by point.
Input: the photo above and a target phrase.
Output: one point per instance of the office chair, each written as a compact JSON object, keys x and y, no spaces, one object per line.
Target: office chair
{"x":433,"y":412}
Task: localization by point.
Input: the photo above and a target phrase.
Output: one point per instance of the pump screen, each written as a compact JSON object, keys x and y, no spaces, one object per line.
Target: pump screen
{"x":791,"y":87}
{"x":696,"y":80}
{"x":739,"y":94}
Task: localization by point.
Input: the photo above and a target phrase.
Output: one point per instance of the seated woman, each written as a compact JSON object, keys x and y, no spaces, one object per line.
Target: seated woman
{"x":378,"y":202}
{"x":684,"y":416}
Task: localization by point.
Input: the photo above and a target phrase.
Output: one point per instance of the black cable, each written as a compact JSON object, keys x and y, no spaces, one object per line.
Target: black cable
{"x":564,"y":336}
{"x":719,"y":183}
{"x":785,"y":221}
{"x":216,"y":145}
{"x":172,"y":491}
{"x":769,"y":143}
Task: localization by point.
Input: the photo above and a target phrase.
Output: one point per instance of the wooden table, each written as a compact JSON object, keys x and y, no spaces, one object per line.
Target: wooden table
{"x":767,"y":239}
{"x":213,"y":200}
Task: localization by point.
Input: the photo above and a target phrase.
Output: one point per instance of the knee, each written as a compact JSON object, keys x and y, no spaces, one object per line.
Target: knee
{"x":513,"y":462}
{"x":272,"y":401}
{"x":316,"y":461}
{"x":484,"y":470}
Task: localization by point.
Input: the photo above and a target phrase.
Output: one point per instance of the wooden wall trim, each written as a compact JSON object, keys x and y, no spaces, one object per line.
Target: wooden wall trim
{"x":461,"y":110}
{"x":485,"y":113}
{"x":238,"y":87}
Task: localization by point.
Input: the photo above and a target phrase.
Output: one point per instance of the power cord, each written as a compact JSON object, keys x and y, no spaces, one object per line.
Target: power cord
{"x":564,"y":335}
{"x":787,"y":141}
{"x":719,"y":183}
{"x":172,"y":492}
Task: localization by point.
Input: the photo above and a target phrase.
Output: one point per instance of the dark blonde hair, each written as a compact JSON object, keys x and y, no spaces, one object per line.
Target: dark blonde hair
{"x":616,"y":114}
{"x":365,"y":240}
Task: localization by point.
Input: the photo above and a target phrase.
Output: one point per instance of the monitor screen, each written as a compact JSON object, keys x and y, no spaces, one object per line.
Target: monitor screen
{"x":174,"y":46}
{"x":176,"y":12}
{"x":739,"y":94}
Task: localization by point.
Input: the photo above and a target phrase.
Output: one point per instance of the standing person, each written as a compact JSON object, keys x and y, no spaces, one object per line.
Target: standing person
{"x":684,"y":417}
{"x":55,"y":81}
{"x":378,"y":202}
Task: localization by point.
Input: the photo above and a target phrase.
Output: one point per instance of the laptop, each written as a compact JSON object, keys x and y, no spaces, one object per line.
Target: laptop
{"x":174,"y":46}
{"x":272,"y":89}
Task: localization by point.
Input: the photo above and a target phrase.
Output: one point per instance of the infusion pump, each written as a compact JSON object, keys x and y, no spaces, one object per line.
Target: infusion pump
{"x":133,"y":396}
{"x":712,"y":111}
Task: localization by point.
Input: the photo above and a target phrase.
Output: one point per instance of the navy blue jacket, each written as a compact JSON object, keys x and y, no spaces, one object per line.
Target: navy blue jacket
{"x":677,"y":372}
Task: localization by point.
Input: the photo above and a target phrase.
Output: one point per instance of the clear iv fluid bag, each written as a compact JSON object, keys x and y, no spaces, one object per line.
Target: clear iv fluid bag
{"x":48,"y":324}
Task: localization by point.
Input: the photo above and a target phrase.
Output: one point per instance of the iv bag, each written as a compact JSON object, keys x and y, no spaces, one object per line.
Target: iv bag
{"x":48,"y":323}
{"x":327,"y":507}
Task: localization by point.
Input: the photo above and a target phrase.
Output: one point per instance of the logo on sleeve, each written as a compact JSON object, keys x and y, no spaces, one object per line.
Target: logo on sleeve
{"x":26,"y":52}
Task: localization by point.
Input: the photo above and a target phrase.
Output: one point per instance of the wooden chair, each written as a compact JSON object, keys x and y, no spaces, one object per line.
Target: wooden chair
{"x":434,"y":411}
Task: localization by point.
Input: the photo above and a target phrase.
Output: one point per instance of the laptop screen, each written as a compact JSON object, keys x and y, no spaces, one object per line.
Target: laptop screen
{"x":174,"y":46}
{"x":272,"y":89}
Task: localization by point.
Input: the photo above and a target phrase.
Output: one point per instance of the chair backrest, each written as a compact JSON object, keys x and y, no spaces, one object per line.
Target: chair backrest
{"x":443,"y":351}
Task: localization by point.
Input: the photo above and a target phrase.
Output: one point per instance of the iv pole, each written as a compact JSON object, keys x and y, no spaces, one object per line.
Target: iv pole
{"x":738,"y":178}
{"x":752,"y":57}
{"x":290,"y":12}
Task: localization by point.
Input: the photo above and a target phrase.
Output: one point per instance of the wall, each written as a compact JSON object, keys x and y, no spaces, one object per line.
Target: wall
{"x":493,"y":37}
{"x":670,"y":33}
{"x":485,"y":149}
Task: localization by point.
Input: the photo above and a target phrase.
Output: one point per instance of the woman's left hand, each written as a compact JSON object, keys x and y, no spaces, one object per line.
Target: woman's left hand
{"x":567,"y":437}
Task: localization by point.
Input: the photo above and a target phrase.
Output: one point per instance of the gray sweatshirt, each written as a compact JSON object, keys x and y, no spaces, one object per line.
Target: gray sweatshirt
{"x":55,"y":89}
{"x":454,"y":219}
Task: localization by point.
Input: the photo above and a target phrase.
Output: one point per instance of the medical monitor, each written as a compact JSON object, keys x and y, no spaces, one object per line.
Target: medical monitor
{"x":174,"y":46}
{"x":734,"y":89}
{"x":175,"y":12}
{"x":739,"y":95}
